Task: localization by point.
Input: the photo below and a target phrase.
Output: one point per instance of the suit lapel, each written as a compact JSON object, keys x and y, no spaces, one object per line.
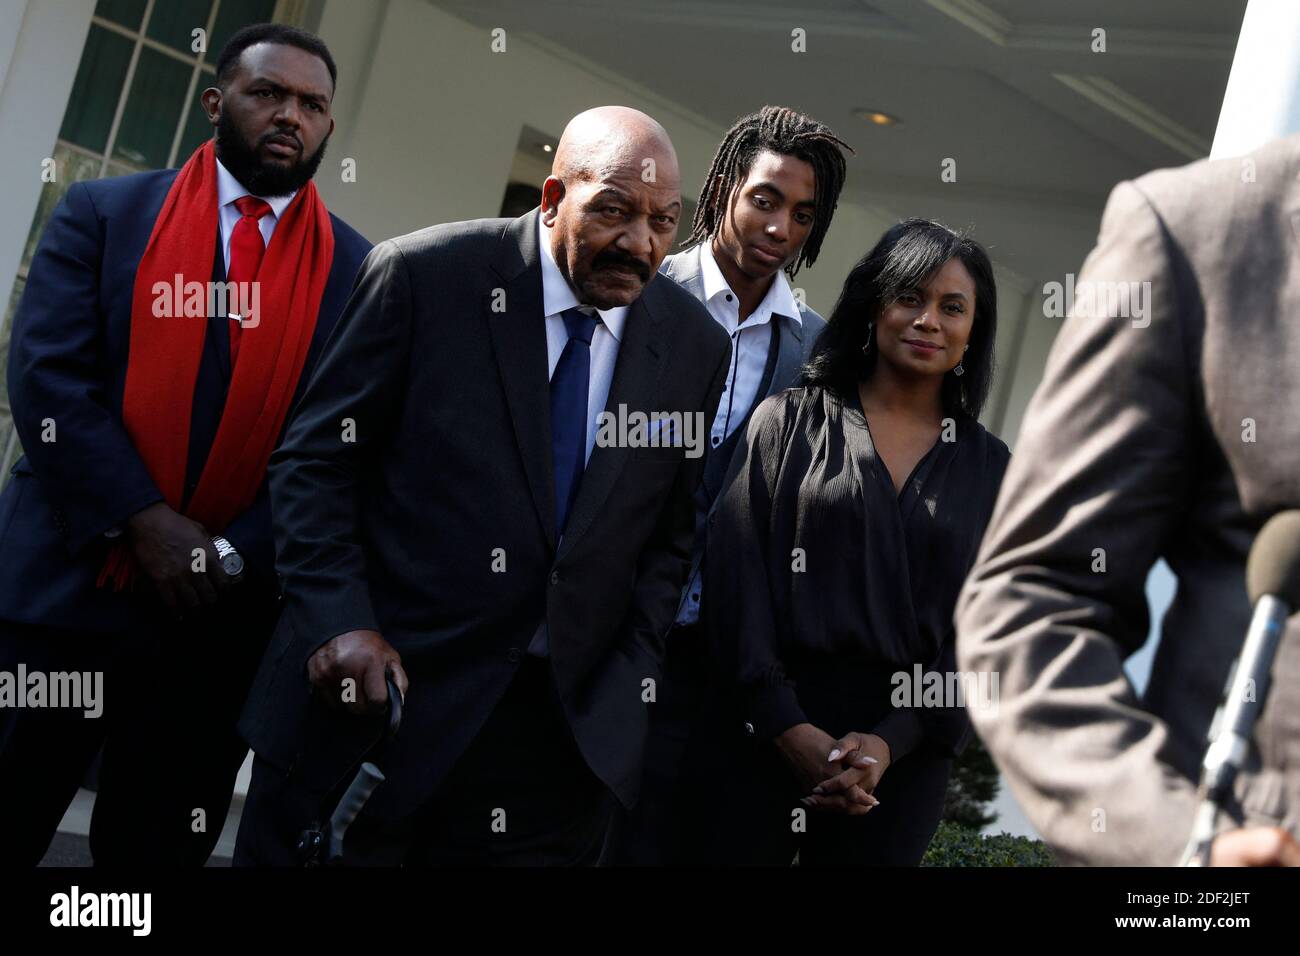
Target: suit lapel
{"x":519,"y":344}
{"x":684,"y":269}
{"x":789,"y":355}
{"x":641,"y":356}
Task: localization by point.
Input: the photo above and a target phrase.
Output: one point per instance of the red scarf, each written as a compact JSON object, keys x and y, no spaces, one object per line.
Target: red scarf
{"x":163,"y":360}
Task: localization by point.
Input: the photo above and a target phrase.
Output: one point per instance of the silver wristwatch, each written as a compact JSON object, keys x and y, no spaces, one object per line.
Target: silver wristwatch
{"x":231,"y":561}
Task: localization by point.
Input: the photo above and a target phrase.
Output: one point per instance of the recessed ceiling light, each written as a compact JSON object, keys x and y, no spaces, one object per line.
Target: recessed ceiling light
{"x":877,"y":118}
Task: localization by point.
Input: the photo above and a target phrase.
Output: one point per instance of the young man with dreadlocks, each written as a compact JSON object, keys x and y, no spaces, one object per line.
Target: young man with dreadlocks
{"x":766,"y":205}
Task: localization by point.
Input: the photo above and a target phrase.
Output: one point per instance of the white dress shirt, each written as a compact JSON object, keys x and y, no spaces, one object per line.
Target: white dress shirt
{"x":228,"y":190}
{"x":749,"y":340}
{"x":749,"y":344}
{"x":557,"y":296}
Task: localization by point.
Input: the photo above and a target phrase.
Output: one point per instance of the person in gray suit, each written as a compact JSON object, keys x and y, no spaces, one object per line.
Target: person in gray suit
{"x":766,"y":206}
{"x":1165,"y":427}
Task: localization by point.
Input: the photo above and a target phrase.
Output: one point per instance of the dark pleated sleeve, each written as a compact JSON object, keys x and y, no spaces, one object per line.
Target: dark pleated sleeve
{"x":741,"y":611}
{"x":948,"y":728}
{"x":949,"y":540}
{"x":902,"y":728}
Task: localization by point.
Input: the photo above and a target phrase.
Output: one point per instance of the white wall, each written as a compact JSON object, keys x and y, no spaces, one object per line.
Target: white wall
{"x":432,"y":117}
{"x":1034,"y":333}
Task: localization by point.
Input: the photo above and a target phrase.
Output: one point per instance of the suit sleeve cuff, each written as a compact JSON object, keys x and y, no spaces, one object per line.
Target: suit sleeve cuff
{"x":77,"y":536}
{"x":317,"y":619}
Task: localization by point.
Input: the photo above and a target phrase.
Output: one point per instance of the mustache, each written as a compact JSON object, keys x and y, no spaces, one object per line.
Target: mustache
{"x":281,"y":135}
{"x":617,"y":260}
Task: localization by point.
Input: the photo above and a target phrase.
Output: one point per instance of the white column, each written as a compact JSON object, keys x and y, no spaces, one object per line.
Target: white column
{"x":1262,"y":101}
{"x":39,"y":53}
{"x":40,"y":47}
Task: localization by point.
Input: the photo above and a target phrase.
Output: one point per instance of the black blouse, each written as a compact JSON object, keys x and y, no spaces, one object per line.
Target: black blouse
{"x":816,"y":567}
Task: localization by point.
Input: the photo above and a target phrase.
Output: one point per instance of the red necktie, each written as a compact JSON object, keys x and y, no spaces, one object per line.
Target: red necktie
{"x":246,"y":251}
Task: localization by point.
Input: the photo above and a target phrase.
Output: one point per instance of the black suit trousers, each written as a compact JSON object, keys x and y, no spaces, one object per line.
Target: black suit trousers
{"x":521,"y":795}
{"x":171,"y":695}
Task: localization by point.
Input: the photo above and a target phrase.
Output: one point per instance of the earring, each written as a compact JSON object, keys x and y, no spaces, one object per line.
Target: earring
{"x":959,"y":371}
{"x":866,"y":348}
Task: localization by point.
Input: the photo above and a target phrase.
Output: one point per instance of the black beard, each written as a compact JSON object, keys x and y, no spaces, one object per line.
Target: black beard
{"x":258,"y":178}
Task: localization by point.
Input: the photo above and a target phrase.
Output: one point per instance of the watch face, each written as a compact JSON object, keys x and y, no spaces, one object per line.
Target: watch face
{"x":232,"y":564}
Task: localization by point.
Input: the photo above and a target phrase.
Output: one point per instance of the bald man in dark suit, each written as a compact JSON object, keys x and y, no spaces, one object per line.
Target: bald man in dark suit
{"x":479,"y":540}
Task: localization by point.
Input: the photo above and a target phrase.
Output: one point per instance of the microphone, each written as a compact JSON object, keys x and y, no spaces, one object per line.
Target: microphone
{"x":1273,"y":583}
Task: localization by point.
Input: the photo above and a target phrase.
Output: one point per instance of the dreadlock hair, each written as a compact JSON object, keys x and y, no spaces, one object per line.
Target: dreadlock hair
{"x":788,"y":132}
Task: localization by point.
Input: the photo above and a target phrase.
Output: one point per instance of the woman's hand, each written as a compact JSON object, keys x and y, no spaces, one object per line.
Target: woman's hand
{"x":804,"y":748}
{"x":864,"y":758}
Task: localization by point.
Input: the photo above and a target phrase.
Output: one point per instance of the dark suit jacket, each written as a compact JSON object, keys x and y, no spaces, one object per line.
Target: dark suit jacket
{"x":67,"y":362}
{"x":1173,"y":435}
{"x":434,"y":524}
{"x":794,"y":345}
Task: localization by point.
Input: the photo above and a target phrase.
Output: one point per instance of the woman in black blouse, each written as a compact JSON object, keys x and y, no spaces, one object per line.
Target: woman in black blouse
{"x":849,"y":521}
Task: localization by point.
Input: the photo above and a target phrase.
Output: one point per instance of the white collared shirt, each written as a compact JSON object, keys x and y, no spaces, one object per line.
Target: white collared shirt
{"x":557,"y":296}
{"x":228,"y":190}
{"x":749,"y":340}
{"x":749,"y":345}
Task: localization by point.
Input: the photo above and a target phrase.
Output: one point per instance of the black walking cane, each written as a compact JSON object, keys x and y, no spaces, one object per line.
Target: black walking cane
{"x":322,"y":845}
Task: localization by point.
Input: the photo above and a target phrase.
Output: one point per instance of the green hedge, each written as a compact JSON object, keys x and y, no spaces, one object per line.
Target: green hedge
{"x":955,"y":845}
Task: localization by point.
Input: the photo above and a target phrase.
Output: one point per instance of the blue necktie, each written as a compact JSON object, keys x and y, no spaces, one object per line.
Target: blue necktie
{"x":569,"y":384}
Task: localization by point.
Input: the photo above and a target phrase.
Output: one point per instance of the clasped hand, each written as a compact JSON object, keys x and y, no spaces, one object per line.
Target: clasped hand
{"x":839,"y":775}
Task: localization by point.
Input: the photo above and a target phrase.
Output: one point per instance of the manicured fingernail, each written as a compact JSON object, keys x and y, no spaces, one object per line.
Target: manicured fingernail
{"x":834,"y":753}
{"x":866,"y":759}
{"x":818,"y":790}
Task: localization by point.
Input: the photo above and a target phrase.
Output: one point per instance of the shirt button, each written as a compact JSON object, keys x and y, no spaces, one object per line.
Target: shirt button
{"x":728,"y":296}
{"x":716,"y":441}
{"x":695,"y":598}
{"x":515,"y":655}
{"x":555,"y":577}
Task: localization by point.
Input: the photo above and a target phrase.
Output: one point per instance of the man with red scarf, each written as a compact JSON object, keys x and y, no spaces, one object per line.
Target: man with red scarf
{"x":168,"y":321}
